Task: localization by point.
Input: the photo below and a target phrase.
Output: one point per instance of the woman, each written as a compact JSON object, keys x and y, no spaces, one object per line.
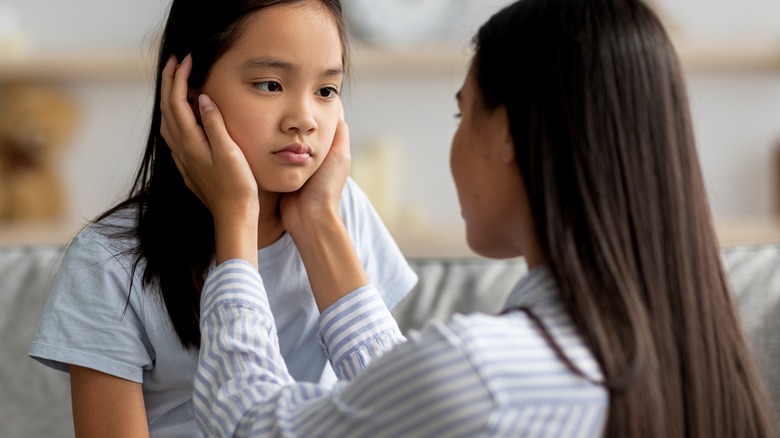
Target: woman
{"x":575,"y":149}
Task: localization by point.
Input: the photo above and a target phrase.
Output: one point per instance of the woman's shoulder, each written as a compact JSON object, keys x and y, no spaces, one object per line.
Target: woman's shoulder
{"x":511,"y":351}
{"x":473,"y":328}
{"x":526,"y":342}
{"x":475,"y":334}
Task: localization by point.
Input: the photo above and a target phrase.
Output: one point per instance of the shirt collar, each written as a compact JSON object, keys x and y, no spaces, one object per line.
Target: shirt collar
{"x":538,"y":287}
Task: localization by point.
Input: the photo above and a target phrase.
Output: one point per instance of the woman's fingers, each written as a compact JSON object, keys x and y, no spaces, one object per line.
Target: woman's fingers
{"x":340,"y":146}
{"x":187,"y":180}
{"x":322,"y":192}
{"x":167,"y":126}
{"x":214,"y":126}
{"x":178,"y":126}
{"x":179,"y":106}
{"x":211,"y":164}
{"x":334,"y":170}
{"x":167,"y":81}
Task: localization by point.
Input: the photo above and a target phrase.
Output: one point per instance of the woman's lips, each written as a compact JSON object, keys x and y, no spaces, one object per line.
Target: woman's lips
{"x":294,"y":154}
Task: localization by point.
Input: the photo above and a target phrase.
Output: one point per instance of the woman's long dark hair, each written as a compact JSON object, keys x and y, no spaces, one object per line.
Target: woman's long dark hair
{"x":174,"y":231}
{"x":599,"y":116}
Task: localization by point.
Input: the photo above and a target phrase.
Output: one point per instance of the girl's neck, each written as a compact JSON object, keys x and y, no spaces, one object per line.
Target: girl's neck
{"x":269,"y":223}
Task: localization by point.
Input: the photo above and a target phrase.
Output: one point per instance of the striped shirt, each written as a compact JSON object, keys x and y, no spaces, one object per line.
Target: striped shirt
{"x":475,"y":376}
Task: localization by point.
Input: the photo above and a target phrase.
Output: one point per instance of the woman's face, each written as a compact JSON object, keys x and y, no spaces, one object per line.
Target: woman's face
{"x":482,"y":161}
{"x":278,"y":91}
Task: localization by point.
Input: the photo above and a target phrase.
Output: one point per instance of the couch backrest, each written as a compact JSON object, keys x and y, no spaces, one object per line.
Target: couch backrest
{"x":36,"y":400}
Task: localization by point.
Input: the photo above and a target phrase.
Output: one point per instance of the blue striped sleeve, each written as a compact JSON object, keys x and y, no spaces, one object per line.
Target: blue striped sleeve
{"x":243,"y":389}
{"x":356,"y":329}
{"x":480,"y":375}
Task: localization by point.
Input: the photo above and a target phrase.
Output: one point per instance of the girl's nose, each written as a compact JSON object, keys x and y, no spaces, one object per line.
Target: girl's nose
{"x":299,"y":118}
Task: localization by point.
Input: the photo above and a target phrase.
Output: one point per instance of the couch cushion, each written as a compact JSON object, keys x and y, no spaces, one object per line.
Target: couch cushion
{"x":754,"y":273}
{"x":35,"y":399}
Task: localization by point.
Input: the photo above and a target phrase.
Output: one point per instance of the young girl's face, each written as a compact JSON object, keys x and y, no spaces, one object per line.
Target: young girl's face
{"x":278,"y":91}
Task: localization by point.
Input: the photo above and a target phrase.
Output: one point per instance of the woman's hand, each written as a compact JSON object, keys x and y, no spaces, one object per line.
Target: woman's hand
{"x":211,"y":163}
{"x":311,"y":216}
{"x":318,"y":199}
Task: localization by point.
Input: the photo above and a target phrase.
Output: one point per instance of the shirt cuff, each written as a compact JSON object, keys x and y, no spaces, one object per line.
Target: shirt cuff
{"x":357,"y":329}
{"x":233,"y":281}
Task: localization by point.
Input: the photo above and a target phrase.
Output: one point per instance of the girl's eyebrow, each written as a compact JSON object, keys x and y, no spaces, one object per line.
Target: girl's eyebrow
{"x":278,"y":64}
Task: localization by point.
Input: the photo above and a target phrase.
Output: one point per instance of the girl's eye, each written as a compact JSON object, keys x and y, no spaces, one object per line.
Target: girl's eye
{"x":458,"y":116}
{"x":328,"y":92}
{"x":268,"y":86}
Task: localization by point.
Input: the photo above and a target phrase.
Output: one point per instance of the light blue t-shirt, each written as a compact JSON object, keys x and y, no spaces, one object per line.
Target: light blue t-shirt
{"x":89,"y":322}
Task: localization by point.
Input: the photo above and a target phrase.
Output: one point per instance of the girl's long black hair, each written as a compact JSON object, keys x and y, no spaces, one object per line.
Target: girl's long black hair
{"x":173,"y":230}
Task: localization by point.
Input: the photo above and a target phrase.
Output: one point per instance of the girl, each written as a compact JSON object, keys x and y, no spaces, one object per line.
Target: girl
{"x":124,"y":310}
{"x":581,"y":158}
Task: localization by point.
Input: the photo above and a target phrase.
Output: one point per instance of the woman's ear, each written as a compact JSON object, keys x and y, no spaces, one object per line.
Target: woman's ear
{"x":506,"y":142}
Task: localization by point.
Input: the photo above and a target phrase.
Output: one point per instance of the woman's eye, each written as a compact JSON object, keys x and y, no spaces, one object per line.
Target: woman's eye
{"x":268,"y":86}
{"x":327,"y":92}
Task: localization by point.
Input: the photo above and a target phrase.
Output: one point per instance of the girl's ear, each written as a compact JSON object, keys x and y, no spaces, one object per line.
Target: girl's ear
{"x":192,"y":99}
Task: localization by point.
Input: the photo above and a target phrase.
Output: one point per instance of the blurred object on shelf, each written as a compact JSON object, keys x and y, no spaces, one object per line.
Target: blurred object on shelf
{"x":14,"y":42}
{"x":36,"y":125}
{"x":376,"y":167}
{"x":402,"y":23}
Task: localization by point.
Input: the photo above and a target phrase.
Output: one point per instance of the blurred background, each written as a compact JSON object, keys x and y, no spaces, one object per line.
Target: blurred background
{"x":76,"y":96}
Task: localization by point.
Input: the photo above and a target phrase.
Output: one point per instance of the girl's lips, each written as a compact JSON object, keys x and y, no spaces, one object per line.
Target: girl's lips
{"x":292,"y":157}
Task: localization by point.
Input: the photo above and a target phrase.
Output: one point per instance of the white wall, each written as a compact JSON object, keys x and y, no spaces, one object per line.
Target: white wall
{"x":737,"y":114}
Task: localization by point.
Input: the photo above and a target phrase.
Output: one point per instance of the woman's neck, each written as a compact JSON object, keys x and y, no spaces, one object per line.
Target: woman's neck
{"x":269,"y":223}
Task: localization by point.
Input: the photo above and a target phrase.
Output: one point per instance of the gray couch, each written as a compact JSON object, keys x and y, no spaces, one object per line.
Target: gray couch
{"x":36,"y":401}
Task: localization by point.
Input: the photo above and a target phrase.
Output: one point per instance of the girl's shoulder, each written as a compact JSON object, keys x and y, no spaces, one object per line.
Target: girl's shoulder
{"x":351,"y":192}
{"x":112,"y":238}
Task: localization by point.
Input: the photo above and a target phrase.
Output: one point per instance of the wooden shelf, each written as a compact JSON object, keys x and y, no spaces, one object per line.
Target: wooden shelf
{"x":695,"y":56}
{"x":413,"y":243}
{"x":38,"y":232}
{"x":426,"y":59}
{"x":747,"y":231}
{"x":66,"y":66}
{"x":729,"y":55}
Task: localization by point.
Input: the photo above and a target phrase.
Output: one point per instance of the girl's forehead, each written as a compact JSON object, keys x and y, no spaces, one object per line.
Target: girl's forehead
{"x":283,"y":14}
{"x":293,"y":38}
{"x":285,"y":24}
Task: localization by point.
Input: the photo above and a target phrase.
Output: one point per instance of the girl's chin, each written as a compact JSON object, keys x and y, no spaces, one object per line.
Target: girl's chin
{"x":288,"y":186}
